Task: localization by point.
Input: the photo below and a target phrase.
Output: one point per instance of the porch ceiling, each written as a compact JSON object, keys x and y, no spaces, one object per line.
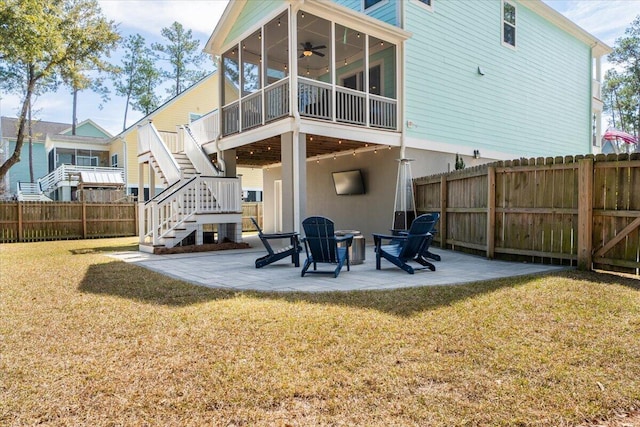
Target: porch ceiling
{"x":268,"y":151}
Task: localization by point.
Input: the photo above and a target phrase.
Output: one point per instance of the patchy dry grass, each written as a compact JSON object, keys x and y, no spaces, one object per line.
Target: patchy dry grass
{"x":86,"y":340}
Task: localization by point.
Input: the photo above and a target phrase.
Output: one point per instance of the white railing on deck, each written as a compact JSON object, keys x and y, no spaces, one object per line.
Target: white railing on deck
{"x":350,"y":106}
{"x":231,"y":118}
{"x":71,"y":174}
{"x":196,"y":154}
{"x":172,"y":141}
{"x":277,"y":100}
{"x":596,"y":89}
{"x":200,"y":195}
{"x":149,"y":140}
{"x":382,"y":112}
{"x":314,"y":99}
{"x":252,"y":110}
{"x":206,"y":128}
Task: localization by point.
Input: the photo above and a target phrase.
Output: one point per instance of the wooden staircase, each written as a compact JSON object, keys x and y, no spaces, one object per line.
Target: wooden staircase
{"x":195,"y":195}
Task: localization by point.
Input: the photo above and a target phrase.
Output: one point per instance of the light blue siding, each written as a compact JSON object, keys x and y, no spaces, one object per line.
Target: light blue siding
{"x":387,"y":11}
{"x":253,"y":13}
{"x":532,"y":101}
{"x":20,"y":171}
{"x":88,"y":129}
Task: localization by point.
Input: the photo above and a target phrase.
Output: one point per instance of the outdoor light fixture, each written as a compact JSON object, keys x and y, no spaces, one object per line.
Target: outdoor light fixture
{"x":480,"y":71}
{"x":476,"y":154}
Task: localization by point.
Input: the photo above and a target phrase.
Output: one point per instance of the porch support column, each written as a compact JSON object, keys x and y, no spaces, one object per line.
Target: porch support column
{"x":229,"y":157}
{"x":230,"y":231}
{"x":141,"y":182}
{"x":294,"y":180}
{"x":152,"y":183}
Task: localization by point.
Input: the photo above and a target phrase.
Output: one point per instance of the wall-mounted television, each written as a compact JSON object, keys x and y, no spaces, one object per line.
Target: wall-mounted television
{"x":348,"y":182}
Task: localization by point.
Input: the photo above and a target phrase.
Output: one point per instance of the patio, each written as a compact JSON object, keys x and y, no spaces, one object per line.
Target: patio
{"x":235,"y":269}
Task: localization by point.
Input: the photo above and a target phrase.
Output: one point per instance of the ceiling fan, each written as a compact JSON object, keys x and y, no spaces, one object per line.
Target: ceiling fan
{"x":308,"y":49}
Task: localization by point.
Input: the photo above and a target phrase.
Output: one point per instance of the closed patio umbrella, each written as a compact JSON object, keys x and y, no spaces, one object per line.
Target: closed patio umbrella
{"x":614,"y":134}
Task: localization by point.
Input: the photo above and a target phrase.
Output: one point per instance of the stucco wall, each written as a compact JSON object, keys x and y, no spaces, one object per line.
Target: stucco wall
{"x":370,"y":212}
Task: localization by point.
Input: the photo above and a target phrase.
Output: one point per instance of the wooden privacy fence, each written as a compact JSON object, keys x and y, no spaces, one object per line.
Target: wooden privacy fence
{"x":582,"y":210}
{"x":38,"y":221}
{"x":251,"y":209}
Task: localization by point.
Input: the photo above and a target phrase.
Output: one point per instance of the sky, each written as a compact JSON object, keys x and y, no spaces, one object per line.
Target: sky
{"x":605,"y":19}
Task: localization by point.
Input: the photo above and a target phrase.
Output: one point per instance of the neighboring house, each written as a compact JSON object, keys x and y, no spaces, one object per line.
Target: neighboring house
{"x":316,"y":87}
{"x":58,"y":158}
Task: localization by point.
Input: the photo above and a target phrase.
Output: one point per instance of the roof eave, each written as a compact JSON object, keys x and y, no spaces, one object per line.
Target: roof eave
{"x":598,"y":47}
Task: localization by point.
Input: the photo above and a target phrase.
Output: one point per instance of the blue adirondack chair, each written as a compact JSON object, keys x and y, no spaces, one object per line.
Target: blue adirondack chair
{"x":323,"y":246}
{"x":293,"y":249}
{"x":408,"y":247}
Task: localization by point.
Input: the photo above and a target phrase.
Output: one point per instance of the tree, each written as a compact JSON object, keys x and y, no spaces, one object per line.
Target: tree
{"x":138,"y":78}
{"x":145,"y":99}
{"x":50,"y":39}
{"x":621,"y":89}
{"x":182,"y":53}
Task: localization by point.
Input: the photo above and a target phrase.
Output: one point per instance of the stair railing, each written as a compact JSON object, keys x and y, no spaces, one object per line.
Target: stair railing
{"x":196,"y":154}
{"x":199,"y":195}
{"x":149,"y":140}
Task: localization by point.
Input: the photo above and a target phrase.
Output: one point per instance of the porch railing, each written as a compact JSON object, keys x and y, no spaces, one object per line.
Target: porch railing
{"x":231,"y":118}
{"x":206,"y":128}
{"x":71,"y":174}
{"x":316,"y":99}
{"x":251,"y":110}
{"x":277,"y":100}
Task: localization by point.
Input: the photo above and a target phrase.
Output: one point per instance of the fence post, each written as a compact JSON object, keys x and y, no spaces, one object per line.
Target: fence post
{"x":585,"y":213}
{"x":443,"y":211}
{"x":20,"y":229}
{"x":491,"y":211}
{"x":84,"y":219}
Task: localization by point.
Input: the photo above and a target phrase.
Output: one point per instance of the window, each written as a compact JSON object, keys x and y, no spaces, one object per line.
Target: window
{"x":114,"y":160}
{"x":427,"y":2}
{"x":508,"y":24}
{"x":86,"y":161}
{"x":368,"y":4}
{"x":356,"y":81}
{"x":194,"y":116}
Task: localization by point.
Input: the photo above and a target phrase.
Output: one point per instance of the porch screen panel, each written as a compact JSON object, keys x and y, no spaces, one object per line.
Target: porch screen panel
{"x":276,"y":43}
{"x":382,"y":84}
{"x":350,"y":63}
{"x":251,"y":80}
{"x":230,"y":91}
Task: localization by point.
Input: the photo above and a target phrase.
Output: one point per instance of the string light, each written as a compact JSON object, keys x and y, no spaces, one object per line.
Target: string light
{"x":278,"y":22}
{"x":302,"y":15}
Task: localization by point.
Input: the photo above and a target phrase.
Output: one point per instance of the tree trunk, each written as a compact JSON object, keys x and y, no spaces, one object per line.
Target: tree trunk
{"x":74,"y":119}
{"x":31,"y":146}
{"x":126,"y":109}
{"x":15,"y":156}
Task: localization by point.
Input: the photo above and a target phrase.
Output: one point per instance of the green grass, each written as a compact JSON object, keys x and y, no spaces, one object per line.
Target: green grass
{"x":87,"y":340}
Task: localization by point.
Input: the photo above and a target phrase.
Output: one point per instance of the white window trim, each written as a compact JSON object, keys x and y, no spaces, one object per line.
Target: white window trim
{"x":379,"y":62}
{"x":114,"y":164}
{"x":374,"y":7}
{"x":502,"y":22}
{"x":424,"y":5}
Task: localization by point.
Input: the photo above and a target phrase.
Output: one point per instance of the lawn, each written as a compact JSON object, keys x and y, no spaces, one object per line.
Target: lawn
{"x":88,"y":340}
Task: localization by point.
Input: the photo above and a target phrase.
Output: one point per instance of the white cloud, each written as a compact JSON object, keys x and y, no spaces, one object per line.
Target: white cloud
{"x":200,"y":16}
{"x":606,"y":20}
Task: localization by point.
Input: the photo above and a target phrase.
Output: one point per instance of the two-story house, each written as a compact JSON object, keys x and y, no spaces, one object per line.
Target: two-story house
{"x":311,"y":88}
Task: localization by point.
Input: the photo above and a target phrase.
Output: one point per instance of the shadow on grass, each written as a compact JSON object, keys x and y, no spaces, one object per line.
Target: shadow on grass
{"x":129,"y":281}
{"x":98,"y":250}
{"x":139,"y":284}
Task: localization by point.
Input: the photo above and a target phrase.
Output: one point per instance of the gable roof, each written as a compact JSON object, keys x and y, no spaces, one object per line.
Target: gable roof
{"x":165,"y":105}
{"x":88,"y":122}
{"x":40,"y":128}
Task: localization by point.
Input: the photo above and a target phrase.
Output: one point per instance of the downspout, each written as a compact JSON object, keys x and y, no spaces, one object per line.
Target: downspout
{"x":124,"y":161}
{"x":217,"y":59}
{"x":400,"y":72}
{"x":293,"y":82}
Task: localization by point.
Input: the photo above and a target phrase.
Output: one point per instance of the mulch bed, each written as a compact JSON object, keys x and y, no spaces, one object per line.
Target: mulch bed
{"x":201,"y":248}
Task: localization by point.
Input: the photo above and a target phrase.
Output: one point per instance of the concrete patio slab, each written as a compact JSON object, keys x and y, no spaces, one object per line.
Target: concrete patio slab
{"x":235,"y":269}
